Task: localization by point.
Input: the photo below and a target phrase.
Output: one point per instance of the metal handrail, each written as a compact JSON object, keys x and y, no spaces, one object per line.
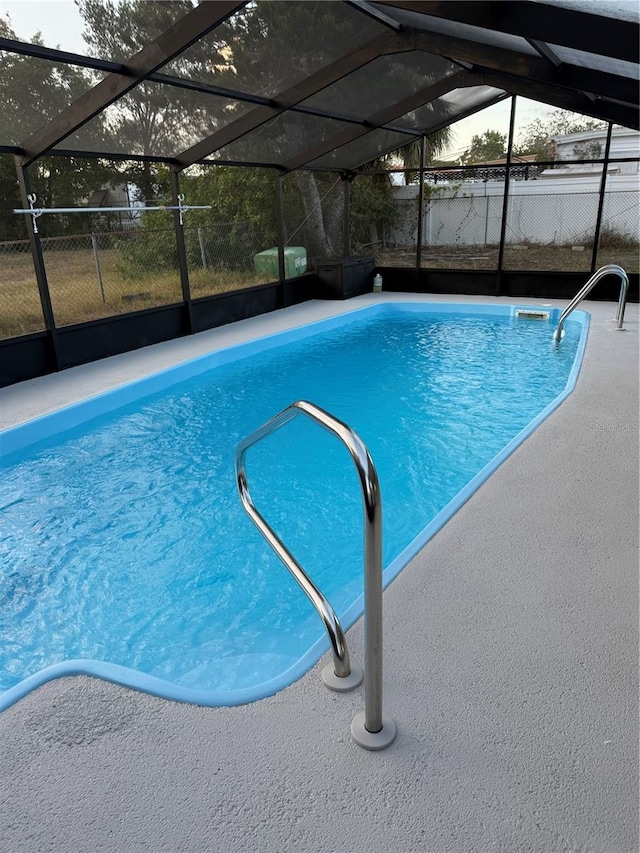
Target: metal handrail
{"x":328,"y":615}
{"x":609,"y":269}
{"x":373,"y":720}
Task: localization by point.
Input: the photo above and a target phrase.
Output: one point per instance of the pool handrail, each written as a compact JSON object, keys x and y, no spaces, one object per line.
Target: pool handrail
{"x":608,"y":269}
{"x":369,"y":729}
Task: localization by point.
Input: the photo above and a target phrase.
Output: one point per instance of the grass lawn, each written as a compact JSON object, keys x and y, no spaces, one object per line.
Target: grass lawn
{"x":76,"y":295}
{"x":527,"y":258}
{"x":75,"y":292}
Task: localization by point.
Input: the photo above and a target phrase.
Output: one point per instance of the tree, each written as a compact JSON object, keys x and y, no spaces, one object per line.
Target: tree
{"x":443,"y":163}
{"x":409,"y":154}
{"x":157,"y":119}
{"x":11,"y":227}
{"x":538,"y":136}
{"x":33,"y":91}
{"x":262,"y":49}
{"x":151,"y":119}
{"x":275,"y":45}
{"x":490,"y":145}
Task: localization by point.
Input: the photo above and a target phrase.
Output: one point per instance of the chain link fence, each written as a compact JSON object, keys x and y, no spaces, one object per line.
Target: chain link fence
{"x":462,"y":231}
{"x":221,"y":256}
{"x":91,"y":276}
{"x":20,"y":305}
{"x":544,"y":230}
{"x":619,"y":242}
{"x":97,"y":275}
{"x":550,"y":231}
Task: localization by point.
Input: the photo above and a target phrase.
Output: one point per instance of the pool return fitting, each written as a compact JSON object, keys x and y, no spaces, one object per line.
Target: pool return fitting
{"x":609,"y":269}
{"x":369,"y":729}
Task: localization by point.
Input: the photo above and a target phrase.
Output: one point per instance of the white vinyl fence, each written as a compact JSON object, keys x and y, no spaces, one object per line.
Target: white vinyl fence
{"x":547,"y":211}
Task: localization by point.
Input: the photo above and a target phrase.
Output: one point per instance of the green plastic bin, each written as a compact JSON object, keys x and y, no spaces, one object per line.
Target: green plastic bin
{"x":295,"y":263}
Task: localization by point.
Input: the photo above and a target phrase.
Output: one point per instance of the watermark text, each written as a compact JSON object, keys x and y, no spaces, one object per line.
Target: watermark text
{"x":600,"y":426}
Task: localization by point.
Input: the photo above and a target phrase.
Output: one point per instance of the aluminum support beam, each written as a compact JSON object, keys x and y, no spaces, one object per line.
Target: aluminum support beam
{"x":386,"y":116}
{"x":38,"y":264}
{"x":346,"y":222}
{"x":423,"y":152}
{"x":545,"y":22}
{"x":383,"y":45}
{"x":505,"y":199}
{"x":181,"y":248}
{"x":282,"y":272}
{"x":570,"y":77}
{"x":601,"y":109}
{"x":543,"y":49}
{"x":603,"y":187}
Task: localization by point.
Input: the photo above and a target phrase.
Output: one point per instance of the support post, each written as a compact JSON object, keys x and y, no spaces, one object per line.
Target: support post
{"x":346,"y":184}
{"x":420,"y":209}
{"x":603,"y":186}
{"x":203,"y":254}
{"x":38,"y":263}
{"x":280,"y":225}
{"x":96,"y":258}
{"x":182,"y":249}
{"x":505,"y":201}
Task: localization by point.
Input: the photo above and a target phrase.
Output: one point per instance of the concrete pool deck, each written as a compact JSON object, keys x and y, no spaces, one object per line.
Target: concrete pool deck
{"x":511,"y":670}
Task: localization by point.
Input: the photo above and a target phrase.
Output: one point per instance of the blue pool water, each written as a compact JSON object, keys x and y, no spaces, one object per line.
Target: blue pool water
{"x":124,"y":549}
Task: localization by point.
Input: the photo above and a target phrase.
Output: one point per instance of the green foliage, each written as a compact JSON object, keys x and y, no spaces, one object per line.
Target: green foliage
{"x":409,"y":155}
{"x":267,"y":47}
{"x":587,"y":151}
{"x":245,"y":195}
{"x":33,"y":91}
{"x":373,"y":212}
{"x":150,"y":120}
{"x":11,"y":226}
{"x":490,"y":145}
{"x":241,"y":221}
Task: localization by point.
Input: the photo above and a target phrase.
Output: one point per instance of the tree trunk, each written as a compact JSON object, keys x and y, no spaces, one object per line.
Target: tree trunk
{"x":319,"y":245}
{"x":334,"y":218}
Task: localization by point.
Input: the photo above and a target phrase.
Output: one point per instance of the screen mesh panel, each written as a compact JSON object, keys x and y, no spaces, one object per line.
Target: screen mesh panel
{"x":33,"y":91}
{"x":382,"y":83}
{"x":623,"y":10}
{"x":363,"y":150}
{"x":117,"y":31}
{"x":593,"y":60}
{"x":270,"y":46}
{"x":280,"y":139}
{"x":155,"y":120}
{"x":620,"y":231}
{"x":63,"y":29}
{"x":449,"y":107}
{"x":20,"y":306}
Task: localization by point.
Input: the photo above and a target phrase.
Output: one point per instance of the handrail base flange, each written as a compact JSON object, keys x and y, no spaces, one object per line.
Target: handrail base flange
{"x":345,"y":684}
{"x":373,"y":741}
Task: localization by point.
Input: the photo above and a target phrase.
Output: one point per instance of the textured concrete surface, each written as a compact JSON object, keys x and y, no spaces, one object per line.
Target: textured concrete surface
{"x":510,"y":669}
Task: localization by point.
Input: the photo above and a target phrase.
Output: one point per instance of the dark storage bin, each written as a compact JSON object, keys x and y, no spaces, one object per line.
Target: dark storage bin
{"x":341,"y":278}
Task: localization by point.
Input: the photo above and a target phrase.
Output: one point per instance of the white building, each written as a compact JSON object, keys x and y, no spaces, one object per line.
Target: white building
{"x":591,"y":144}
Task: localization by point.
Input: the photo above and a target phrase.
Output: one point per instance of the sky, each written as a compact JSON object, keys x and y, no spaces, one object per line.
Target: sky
{"x":61,"y":26}
{"x":58,"y":20}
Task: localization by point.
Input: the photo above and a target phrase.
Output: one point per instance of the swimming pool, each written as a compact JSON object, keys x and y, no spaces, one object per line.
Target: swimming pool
{"x":126,"y":553}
